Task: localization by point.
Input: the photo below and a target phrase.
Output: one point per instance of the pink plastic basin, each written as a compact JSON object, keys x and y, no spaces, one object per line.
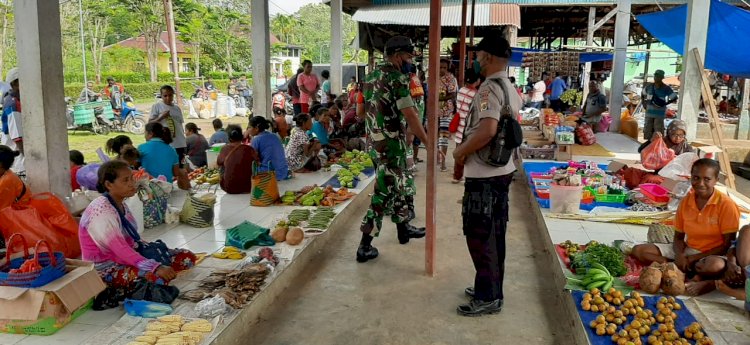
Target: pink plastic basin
{"x":655,"y":192}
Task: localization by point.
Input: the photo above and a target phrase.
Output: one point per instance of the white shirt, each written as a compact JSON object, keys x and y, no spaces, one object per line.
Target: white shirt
{"x":178,"y":137}
{"x":539,"y":88}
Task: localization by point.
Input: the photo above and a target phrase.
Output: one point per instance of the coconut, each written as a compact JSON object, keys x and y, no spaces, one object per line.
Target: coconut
{"x":295,"y":236}
{"x":673,"y":280}
{"x":279,"y":234}
{"x":650,"y":279}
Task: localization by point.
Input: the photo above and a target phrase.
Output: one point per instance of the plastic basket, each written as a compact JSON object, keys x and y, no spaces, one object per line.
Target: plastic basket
{"x":542,"y":193}
{"x":83,"y":116}
{"x":52,"y":265}
{"x":541,"y":177}
{"x":565,"y":199}
{"x":612,"y":198}
{"x":655,"y":192}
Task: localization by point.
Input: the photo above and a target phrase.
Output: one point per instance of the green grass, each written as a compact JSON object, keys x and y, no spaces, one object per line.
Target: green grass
{"x":88,"y":142}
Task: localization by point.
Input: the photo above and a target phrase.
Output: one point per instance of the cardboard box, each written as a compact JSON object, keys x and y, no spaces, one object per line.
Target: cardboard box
{"x":47,"y":309}
{"x":618,"y":164}
{"x":564,"y":153}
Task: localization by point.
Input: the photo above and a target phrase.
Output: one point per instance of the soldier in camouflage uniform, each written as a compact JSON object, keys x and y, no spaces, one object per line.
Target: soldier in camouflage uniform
{"x":389,"y":109}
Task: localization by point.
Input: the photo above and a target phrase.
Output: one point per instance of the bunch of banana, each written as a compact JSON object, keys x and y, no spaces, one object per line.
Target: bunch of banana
{"x":229,"y":252}
{"x":598,"y":277}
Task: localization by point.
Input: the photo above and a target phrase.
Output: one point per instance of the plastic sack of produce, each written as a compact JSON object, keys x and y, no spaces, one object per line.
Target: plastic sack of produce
{"x":585,"y":134}
{"x":679,"y":167}
{"x":87,"y":176}
{"x":656,"y":155}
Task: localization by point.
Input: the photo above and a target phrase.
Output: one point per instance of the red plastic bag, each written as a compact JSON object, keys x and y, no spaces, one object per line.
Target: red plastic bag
{"x":585,"y":134}
{"x":656,"y":155}
{"x":44,"y":218}
{"x":455,"y":122}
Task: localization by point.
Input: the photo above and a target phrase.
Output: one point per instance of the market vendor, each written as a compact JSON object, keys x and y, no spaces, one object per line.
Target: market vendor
{"x":157,"y":157}
{"x":109,"y":238}
{"x":116,"y":146}
{"x":655,"y":98}
{"x":235,"y":163}
{"x":12,"y":189}
{"x":302,"y":151}
{"x":706,"y":223}
{"x":674,"y":140}
{"x":269,"y":147}
{"x":595,"y":106}
{"x":733,"y":281}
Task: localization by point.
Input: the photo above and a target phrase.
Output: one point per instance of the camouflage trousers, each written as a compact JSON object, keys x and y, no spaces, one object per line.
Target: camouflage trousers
{"x":393,"y":195}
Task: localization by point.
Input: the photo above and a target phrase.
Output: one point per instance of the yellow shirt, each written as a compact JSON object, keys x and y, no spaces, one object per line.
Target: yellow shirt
{"x":705,"y":229}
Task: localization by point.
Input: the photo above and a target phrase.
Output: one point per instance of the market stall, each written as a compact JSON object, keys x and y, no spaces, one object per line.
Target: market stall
{"x":591,"y":235}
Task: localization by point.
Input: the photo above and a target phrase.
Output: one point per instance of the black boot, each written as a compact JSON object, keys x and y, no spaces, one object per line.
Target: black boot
{"x":407,"y":231}
{"x":366,"y":251}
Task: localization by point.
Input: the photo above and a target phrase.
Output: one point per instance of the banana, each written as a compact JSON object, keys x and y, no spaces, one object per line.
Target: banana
{"x":594,"y":271}
{"x":601,"y":267}
{"x":596,"y":284}
{"x":601,"y":277}
{"x":608,"y":284}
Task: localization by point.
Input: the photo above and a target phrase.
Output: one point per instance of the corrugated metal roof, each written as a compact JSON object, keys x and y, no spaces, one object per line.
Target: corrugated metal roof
{"x":419,"y":15}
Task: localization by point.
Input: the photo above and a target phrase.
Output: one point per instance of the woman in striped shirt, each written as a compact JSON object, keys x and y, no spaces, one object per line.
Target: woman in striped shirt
{"x":466,"y":94}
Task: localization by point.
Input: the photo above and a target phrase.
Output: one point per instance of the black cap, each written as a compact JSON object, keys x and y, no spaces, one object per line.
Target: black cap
{"x":399,"y":44}
{"x":494,"y":44}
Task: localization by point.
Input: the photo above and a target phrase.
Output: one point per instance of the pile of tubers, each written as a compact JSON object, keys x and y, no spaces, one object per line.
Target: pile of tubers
{"x":666,"y":277}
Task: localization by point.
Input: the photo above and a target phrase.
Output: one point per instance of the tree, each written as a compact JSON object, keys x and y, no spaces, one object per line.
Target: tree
{"x":7,"y":18}
{"x":195,"y":31}
{"x":150,"y":15}
{"x":97,"y":16}
{"x":227,"y":28}
{"x":283,"y":27}
{"x":286,"y":68}
{"x":313,"y":32}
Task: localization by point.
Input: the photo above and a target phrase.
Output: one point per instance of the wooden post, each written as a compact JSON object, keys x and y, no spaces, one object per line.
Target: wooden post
{"x":648,"y":61}
{"x":713,"y":121}
{"x":432,"y":109}
{"x":462,"y":44}
{"x":471,"y":30}
{"x":173,"y":49}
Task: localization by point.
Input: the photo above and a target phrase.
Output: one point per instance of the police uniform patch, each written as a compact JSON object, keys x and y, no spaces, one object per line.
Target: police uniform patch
{"x":484,"y":97}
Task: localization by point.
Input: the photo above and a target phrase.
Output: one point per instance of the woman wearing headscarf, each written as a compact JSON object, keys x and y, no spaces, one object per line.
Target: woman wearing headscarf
{"x":675,"y":140}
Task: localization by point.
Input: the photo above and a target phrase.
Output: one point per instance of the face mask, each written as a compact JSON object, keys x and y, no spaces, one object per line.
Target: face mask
{"x":406,"y":67}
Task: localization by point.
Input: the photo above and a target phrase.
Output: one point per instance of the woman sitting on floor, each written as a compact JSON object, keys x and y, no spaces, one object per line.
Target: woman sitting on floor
{"x":302,"y":152}
{"x":675,"y":140}
{"x":235,"y":163}
{"x":733,"y":281}
{"x":109,"y":238}
{"x":706,"y":223}
{"x":12,"y":189}
{"x":117,"y":145}
{"x":160,"y":159}
{"x":269,"y":147}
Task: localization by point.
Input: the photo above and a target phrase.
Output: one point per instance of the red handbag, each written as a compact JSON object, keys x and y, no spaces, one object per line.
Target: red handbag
{"x":455,"y":122}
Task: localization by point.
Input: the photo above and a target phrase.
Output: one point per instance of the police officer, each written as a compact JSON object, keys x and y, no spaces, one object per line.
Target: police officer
{"x":389,"y":108}
{"x":485,"y":202}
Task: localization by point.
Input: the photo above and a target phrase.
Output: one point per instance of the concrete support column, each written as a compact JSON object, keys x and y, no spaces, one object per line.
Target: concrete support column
{"x":337,"y":47}
{"x":622,"y":36}
{"x":696,"y":32}
{"x":45,"y":134}
{"x":261,"y":42}
{"x":743,"y":128}
{"x":589,"y":43}
{"x":511,"y":34}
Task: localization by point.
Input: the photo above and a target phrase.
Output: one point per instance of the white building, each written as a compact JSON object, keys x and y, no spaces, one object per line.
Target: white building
{"x":285,"y":52}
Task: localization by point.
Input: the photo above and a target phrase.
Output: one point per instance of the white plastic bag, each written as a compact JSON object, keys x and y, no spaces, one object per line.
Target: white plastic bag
{"x":135,"y":205}
{"x":679,"y":167}
{"x":211,"y":307}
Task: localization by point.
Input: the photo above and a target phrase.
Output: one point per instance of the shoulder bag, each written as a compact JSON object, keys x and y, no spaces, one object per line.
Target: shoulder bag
{"x":509,"y":136}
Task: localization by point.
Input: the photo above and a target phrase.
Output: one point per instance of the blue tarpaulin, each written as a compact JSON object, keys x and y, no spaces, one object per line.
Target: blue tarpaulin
{"x":517,"y":58}
{"x":728,"y":43}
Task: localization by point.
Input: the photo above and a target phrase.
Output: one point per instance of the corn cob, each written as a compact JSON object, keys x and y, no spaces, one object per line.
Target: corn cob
{"x":176,"y":318}
{"x":137,"y":343}
{"x":202,"y":326}
{"x":194,"y":336}
{"x":163,"y":327}
{"x":155,"y":333}
{"x":146,"y":339}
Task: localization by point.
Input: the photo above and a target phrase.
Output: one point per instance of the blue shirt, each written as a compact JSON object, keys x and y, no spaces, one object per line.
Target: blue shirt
{"x":10,"y":101}
{"x":665,"y":93}
{"x":272,"y":155}
{"x":220,"y":137}
{"x":158,"y":158}
{"x":320,"y":132}
{"x":558,"y":87}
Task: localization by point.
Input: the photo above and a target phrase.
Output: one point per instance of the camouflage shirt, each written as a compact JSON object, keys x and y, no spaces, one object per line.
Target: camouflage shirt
{"x":386,"y":93}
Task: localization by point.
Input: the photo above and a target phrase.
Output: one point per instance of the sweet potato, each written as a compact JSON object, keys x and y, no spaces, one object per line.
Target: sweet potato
{"x":650,"y":279}
{"x":673,"y":280}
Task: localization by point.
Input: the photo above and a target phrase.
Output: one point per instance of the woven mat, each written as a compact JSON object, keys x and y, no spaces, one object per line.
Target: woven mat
{"x":591,"y":150}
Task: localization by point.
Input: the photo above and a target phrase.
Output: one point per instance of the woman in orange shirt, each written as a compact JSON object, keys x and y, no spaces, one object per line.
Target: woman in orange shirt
{"x":12,"y":190}
{"x":706,"y":223}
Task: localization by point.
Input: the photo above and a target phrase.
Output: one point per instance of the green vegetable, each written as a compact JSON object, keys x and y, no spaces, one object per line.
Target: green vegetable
{"x":609,"y":257}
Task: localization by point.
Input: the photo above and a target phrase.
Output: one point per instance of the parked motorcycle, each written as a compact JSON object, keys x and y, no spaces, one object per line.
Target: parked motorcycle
{"x":88,"y":117}
{"x":129,"y":119}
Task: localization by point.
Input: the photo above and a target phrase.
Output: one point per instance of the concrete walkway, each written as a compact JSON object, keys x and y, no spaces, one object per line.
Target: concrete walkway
{"x":391,"y":301}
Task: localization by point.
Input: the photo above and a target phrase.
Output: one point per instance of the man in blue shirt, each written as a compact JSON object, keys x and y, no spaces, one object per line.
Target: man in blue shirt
{"x":558,"y":87}
{"x":656,"y":97}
